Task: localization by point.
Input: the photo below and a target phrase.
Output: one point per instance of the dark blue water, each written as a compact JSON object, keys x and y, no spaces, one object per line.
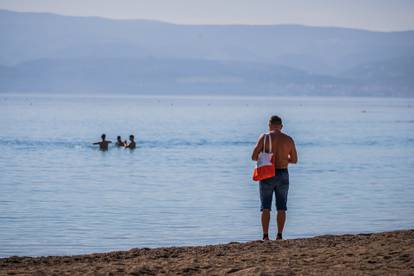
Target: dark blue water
{"x":189,"y":180}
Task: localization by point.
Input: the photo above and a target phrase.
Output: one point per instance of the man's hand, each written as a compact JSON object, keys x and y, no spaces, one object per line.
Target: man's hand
{"x":293,"y":155}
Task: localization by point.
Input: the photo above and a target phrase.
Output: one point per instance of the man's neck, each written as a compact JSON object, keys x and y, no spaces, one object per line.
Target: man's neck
{"x":276,"y":131}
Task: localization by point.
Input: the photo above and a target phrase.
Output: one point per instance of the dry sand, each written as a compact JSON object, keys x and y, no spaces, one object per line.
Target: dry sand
{"x":390,"y":253}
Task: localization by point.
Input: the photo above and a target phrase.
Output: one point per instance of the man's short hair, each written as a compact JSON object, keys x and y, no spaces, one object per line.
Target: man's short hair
{"x":275,"y":120}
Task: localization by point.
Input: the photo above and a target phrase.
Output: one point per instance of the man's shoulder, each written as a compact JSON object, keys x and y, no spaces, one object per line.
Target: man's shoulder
{"x":287,"y":137}
{"x":262,"y":135}
{"x":284,"y":135}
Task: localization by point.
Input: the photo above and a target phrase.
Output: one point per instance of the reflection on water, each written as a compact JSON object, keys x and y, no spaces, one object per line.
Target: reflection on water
{"x":189,"y":180}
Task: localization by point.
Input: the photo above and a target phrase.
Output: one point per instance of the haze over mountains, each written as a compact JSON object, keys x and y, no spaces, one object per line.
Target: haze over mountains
{"x":59,"y":54}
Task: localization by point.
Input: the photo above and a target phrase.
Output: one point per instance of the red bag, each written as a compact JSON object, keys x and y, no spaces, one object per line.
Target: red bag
{"x":265,"y":167}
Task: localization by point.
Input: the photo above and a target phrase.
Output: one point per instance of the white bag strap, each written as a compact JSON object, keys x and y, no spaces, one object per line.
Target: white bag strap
{"x":270,"y":143}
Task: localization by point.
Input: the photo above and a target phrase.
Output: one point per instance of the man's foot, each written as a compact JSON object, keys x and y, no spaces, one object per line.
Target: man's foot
{"x":279,"y":236}
{"x":265,"y":237}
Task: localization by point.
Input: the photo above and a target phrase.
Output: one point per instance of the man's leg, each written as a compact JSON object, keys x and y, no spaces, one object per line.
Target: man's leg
{"x":266,"y":194}
{"x":281,"y":218}
{"x":281,"y":201}
{"x":265,"y":223}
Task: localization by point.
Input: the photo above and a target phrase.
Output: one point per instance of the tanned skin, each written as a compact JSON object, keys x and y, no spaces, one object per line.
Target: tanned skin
{"x":103,"y":145}
{"x":132,"y":144}
{"x":284,"y":150}
{"x":119,"y":142}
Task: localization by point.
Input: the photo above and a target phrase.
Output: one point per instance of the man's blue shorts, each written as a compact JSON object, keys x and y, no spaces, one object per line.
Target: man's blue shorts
{"x":278,"y":184}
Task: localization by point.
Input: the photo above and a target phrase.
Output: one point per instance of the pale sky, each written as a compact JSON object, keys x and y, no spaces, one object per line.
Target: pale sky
{"x":383,"y":15}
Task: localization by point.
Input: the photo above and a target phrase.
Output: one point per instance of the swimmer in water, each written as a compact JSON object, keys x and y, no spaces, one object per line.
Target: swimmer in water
{"x":119,"y":142}
{"x":132,"y":144}
{"x":103,"y":145}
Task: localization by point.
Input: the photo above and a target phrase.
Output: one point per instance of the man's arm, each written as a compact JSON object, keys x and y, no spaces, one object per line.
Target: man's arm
{"x":258,"y":148}
{"x":293,"y":155}
{"x":97,"y":143}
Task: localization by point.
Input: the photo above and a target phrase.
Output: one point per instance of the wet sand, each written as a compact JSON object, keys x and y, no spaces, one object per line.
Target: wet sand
{"x":388,"y":253}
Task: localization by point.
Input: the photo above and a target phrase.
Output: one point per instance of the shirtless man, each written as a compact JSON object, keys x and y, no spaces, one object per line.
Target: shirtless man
{"x":284,"y":152}
{"x":103,"y":145}
{"x":119,"y":142}
{"x":132,"y":144}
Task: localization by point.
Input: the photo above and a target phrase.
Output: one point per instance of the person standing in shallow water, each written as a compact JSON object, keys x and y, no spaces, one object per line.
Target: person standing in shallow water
{"x":132,"y":144}
{"x":119,"y":142}
{"x":103,"y":145}
{"x":284,"y":153}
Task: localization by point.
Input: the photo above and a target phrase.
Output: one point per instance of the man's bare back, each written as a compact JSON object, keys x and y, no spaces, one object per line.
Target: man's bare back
{"x":283,"y":148}
{"x":103,"y":145}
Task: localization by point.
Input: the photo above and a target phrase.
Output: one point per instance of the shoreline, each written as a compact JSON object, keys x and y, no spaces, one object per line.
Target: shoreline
{"x":390,"y":253}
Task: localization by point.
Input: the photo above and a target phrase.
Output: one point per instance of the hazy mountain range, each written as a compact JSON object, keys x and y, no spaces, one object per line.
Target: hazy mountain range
{"x":61,"y":54}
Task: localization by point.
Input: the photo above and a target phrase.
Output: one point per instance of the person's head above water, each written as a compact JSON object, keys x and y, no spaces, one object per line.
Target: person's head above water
{"x":275,"y":123}
{"x":119,"y":138}
{"x":131,"y":137}
{"x":103,"y":136}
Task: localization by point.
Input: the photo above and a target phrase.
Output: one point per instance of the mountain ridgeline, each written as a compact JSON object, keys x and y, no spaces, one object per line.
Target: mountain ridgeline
{"x":50,"y":53}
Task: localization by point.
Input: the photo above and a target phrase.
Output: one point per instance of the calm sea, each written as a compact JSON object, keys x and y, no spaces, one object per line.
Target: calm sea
{"x":189,"y":180}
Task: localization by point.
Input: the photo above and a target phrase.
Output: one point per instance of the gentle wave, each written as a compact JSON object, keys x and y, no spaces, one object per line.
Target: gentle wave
{"x":147,"y":144}
{"x":172,"y":143}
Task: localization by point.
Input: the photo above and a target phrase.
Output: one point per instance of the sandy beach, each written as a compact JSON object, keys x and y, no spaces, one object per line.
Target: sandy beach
{"x":388,"y":253}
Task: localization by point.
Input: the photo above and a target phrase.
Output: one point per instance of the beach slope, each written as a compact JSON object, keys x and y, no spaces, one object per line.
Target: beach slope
{"x":388,"y":253}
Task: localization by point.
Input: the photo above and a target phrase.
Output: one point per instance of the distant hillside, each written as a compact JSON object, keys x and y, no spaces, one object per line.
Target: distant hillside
{"x":392,"y":71}
{"x":45,"y":52}
{"x":162,"y":76}
{"x":27,"y":36}
{"x":179,"y":76}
